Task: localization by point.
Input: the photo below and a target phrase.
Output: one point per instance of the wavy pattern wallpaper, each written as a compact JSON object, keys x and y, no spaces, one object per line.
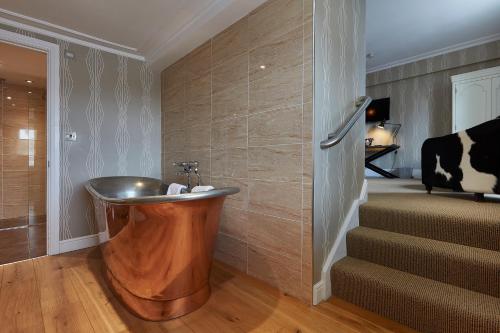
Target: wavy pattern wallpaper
{"x":122,"y":96}
{"x":113,"y":105}
{"x":339,"y":69}
{"x":420,"y":95}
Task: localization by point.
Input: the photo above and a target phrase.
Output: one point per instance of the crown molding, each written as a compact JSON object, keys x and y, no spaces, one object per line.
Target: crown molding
{"x":207,"y":23}
{"x":434,"y":53}
{"x":202,"y":17}
{"x":69,"y":35}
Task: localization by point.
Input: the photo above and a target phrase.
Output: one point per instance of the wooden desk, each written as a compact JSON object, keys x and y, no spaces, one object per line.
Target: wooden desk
{"x":374,"y":152}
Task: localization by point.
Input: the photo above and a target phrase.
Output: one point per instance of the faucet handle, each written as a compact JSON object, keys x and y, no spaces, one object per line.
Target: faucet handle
{"x":186,"y":164}
{"x":180,"y":164}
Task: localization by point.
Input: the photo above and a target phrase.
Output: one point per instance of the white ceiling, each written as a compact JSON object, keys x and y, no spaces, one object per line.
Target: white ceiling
{"x":18,"y":64}
{"x":400,"y":31}
{"x":160,"y":30}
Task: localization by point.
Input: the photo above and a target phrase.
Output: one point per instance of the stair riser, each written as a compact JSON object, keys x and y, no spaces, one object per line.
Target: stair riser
{"x":416,"y":313}
{"x":485,"y":236}
{"x":444,"y":267}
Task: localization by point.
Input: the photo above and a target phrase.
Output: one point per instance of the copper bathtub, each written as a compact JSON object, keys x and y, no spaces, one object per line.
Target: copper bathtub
{"x":159,"y":248}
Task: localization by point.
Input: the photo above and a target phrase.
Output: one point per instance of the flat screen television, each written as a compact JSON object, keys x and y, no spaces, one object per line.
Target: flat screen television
{"x":378,"y":110}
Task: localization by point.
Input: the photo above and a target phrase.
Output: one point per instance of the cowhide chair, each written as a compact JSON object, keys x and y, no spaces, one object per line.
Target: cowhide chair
{"x":467,"y":161}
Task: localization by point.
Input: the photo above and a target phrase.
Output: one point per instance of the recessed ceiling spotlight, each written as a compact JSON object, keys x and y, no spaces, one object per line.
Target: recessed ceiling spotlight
{"x":9,"y":98}
{"x":29,"y":92}
{"x":13,"y":104}
{"x":29,"y":81}
{"x":262,"y":66}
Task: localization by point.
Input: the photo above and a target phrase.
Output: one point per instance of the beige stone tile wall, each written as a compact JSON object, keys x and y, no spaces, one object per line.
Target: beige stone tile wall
{"x":23,"y":152}
{"x":241,"y":105}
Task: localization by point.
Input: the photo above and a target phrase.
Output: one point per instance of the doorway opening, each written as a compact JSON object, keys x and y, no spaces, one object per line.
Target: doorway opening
{"x":23,"y":160}
{"x":29,"y":147}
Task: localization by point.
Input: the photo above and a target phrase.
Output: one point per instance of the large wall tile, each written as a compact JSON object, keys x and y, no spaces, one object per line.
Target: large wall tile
{"x":282,"y":126}
{"x":278,"y":163}
{"x":198,"y":107}
{"x":307,"y":163}
{"x":198,"y":137}
{"x":202,"y":157}
{"x":258,"y":91}
{"x":231,"y":251}
{"x":278,"y":199}
{"x":231,"y":102}
{"x":176,"y":97}
{"x":230,"y":73}
{"x":199,"y":61}
{"x":231,"y":163}
{"x":272,"y":20}
{"x":276,"y":235}
{"x":230,"y":133}
{"x":231,"y":42}
{"x":234,"y":223}
{"x":283,"y":53}
{"x":307,"y":122}
{"x":176,"y":140}
{"x":173,"y":120}
{"x":240,"y":199}
{"x":274,"y":269}
{"x":276,"y":90}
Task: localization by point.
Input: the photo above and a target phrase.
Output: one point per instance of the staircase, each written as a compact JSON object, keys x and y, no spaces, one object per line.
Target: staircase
{"x":431,"y":262}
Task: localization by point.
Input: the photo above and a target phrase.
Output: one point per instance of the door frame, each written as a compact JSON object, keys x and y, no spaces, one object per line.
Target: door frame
{"x":53,"y":130}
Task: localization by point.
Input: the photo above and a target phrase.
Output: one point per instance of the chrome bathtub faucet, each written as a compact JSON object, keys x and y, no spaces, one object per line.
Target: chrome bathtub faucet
{"x":187,"y":169}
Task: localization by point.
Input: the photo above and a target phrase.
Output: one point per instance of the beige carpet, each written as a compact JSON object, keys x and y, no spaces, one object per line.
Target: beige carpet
{"x":431,"y":262}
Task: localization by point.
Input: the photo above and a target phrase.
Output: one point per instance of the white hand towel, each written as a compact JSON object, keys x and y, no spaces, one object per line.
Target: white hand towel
{"x":175,"y":188}
{"x":201,"y":189}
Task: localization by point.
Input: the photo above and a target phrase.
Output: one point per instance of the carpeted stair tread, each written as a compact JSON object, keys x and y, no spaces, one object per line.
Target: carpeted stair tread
{"x":463,"y":266}
{"x":446,"y":217}
{"x":420,"y":303}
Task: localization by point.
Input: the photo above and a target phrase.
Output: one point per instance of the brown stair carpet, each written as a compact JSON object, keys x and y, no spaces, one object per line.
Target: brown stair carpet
{"x":431,"y":262}
{"x":423,"y":304}
{"x":462,"y":266}
{"x":446,"y":217}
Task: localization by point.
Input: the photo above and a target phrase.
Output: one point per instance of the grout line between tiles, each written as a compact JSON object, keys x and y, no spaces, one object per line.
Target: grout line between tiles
{"x":302,"y":149}
{"x":247,"y":116}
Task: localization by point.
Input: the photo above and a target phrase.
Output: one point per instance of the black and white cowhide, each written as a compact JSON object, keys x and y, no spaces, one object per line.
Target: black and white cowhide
{"x":465,"y":161}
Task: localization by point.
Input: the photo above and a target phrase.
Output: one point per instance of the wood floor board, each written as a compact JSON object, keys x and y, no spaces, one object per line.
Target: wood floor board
{"x":67,"y":293}
{"x":103,"y":309}
{"x":61,"y":307}
{"x":291,"y":314}
{"x":20,"y":299}
{"x":366,"y":320}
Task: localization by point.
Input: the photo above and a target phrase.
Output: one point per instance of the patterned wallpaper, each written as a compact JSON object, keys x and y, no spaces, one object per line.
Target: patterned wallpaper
{"x":421,"y":97}
{"x":113,"y":105}
{"x":339,"y":79}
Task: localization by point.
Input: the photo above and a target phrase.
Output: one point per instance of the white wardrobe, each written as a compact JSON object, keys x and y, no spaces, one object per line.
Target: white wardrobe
{"x":476,"y":98}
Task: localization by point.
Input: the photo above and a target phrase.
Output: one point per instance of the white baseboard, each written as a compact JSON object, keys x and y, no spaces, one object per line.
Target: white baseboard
{"x":83,"y":242}
{"x":322,"y":290}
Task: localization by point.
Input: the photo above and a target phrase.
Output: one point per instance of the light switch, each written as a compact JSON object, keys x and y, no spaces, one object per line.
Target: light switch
{"x":70,"y":136}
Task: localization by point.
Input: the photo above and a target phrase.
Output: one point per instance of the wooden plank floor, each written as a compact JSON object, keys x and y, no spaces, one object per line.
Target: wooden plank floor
{"x":66,"y":293}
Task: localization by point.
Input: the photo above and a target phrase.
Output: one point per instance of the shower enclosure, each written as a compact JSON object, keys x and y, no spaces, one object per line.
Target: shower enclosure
{"x":22,"y":154}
